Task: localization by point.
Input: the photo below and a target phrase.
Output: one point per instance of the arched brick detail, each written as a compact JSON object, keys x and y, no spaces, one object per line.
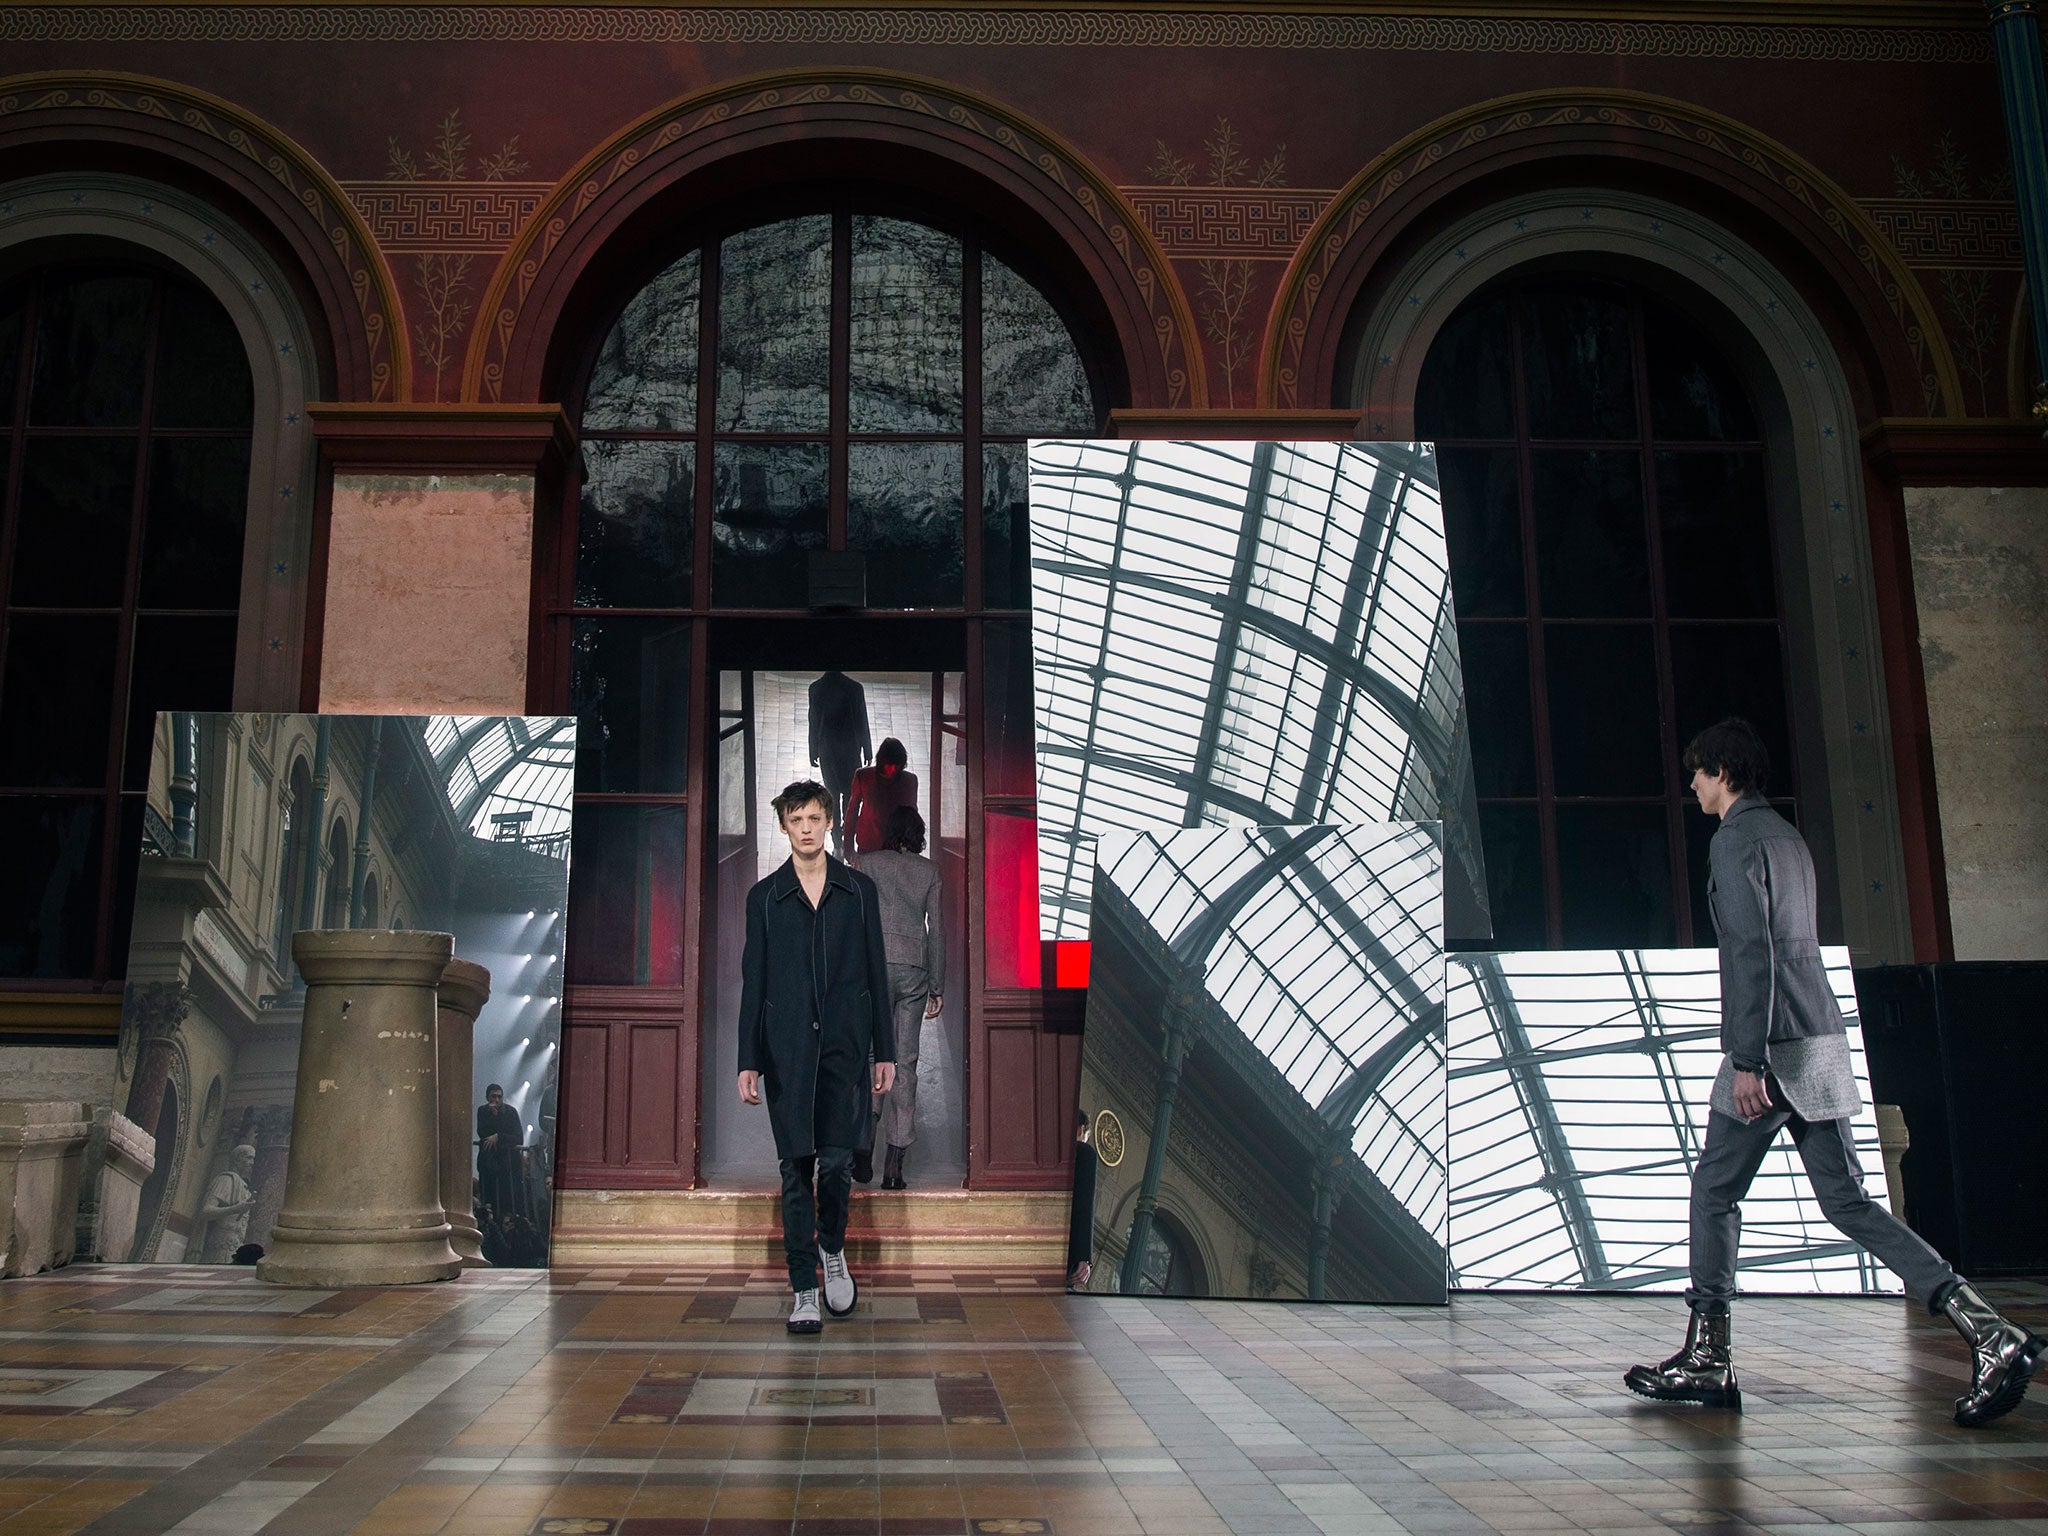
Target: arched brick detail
{"x":1028,"y":166}
{"x":1912,"y":371}
{"x":236,"y":160}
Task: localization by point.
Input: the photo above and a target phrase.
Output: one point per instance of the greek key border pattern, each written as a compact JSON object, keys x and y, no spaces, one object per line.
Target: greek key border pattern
{"x":1754,"y":159}
{"x":1010,"y":28}
{"x":1239,"y":223}
{"x":1070,"y":177}
{"x":274,"y":162}
{"x":1950,"y":233}
{"x":427,"y":217}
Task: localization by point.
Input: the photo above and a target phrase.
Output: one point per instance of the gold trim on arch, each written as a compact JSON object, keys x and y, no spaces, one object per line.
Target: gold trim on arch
{"x":1759,"y":155}
{"x":278,"y":156}
{"x":1040,"y":148}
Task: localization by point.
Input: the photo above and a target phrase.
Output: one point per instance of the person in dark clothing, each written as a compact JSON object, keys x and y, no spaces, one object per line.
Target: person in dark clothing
{"x":500,"y":1135}
{"x":840,"y":743}
{"x":814,"y":1007}
{"x":878,"y":792}
{"x":1081,"y":1221}
{"x":1786,"y":1066}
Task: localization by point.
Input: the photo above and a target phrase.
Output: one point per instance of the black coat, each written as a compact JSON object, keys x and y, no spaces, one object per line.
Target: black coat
{"x":814,"y":1005}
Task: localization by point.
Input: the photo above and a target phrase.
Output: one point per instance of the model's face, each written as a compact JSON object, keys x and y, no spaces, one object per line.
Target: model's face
{"x":806,"y":827}
{"x":494,"y":1098}
{"x":1714,"y":794}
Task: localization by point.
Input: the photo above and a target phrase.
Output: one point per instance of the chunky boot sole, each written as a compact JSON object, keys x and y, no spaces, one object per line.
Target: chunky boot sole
{"x":2011,"y":1390}
{"x":847,"y":1310}
{"x":816,"y":1326}
{"x":1646,"y":1384}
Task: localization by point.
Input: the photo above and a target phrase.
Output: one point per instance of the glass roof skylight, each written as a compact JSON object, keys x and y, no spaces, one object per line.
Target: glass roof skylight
{"x":509,"y":778}
{"x":1242,"y":633}
{"x":1579,"y":1085}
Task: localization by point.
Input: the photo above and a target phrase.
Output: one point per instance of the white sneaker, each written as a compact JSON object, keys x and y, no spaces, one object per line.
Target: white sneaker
{"x":840,"y":1290}
{"x":803,"y":1316}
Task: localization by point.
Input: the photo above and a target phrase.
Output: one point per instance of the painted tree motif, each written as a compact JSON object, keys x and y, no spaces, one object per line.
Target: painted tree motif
{"x":1966,"y":292}
{"x":1229,"y":318}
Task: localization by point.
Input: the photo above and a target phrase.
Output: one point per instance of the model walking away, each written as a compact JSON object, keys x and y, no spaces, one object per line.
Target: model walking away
{"x":914,"y":939}
{"x":1785,"y":1065}
{"x":813,"y":1009}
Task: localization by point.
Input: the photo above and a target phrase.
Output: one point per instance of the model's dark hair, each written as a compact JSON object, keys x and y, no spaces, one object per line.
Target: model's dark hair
{"x":905,"y":831}
{"x":1732,"y":745}
{"x":891,"y":751}
{"x":494,"y":1088}
{"x":800,"y":794}
{"x":1080,"y":1119}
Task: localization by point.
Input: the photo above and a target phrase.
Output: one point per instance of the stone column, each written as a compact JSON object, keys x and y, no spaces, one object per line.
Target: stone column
{"x":271,"y":1131}
{"x":128,"y":1159}
{"x":42,"y":1153}
{"x":2023,"y":89}
{"x":362,"y":1202}
{"x":465,"y":988}
{"x":1180,"y":1036}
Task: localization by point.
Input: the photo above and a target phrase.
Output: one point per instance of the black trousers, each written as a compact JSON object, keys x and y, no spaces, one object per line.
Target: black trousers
{"x":811,"y":1220}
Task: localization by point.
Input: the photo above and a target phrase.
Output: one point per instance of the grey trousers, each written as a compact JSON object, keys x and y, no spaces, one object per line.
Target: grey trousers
{"x":909,"y":986}
{"x":1735,"y":1150}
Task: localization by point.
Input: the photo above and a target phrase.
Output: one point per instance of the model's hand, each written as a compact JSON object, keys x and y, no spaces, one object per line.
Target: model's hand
{"x":885,"y":1076}
{"x":490,"y":1141}
{"x":1752,"y":1097}
{"x":750,"y":1087}
{"x":1078,"y":1280}
{"x":932,"y":1005}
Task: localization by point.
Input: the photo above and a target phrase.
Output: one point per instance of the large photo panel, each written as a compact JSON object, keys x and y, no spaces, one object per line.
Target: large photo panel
{"x":259,"y":826}
{"x":1579,"y":1089}
{"x":1244,"y":634}
{"x":1262,"y":1072}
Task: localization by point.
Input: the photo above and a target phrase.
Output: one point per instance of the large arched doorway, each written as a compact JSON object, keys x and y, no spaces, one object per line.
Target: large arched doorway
{"x":1607,"y":506}
{"x":797,"y":532}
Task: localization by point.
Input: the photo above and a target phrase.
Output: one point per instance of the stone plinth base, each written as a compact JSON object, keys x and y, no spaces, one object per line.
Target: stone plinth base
{"x":722,"y":1228}
{"x":42,"y":1154}
{"x":362,"y":1202}
{"x":465,"y":988}
{"x":119,"y":1158}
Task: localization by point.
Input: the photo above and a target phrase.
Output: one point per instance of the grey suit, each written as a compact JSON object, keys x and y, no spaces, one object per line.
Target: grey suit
{"x":1779,"y":1018}
{"x":915,"y":941}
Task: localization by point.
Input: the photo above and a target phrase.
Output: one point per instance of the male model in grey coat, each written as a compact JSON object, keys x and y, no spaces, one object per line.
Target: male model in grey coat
{"x":914,"y":939}
{"x":1786,"y":1066}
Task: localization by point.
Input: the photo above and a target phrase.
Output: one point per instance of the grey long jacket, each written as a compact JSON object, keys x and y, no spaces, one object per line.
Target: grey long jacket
{"x":911,"y":931}
{"x":1778,"y":1013}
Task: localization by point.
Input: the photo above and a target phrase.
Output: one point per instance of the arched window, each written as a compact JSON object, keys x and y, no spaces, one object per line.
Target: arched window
{"x":125,"y":416}
{"x":1605,"y":495}
{"x":836,"y":381}
{"x":334,"y":910}
{"x":298,"y":836}
{"x":369,"y":902}
{"x":1170,"y":1266}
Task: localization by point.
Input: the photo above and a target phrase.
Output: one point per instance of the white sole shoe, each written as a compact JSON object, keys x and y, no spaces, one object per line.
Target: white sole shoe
{"x":803,"y":1314}
{"x":842,"y":1291}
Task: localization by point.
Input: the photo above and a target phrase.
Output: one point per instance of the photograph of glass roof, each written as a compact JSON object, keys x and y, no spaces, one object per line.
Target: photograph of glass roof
{"x":1321,"y":949}
{"x":1579,"y":1084}
{"x":1242,"y":633}
{"x":509,"y":778}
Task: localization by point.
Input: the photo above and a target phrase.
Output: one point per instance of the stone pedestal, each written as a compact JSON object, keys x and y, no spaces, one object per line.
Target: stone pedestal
{"x":42,"y":1154}
{"x":465,"y":988}
{"x":119,"y":1158}
{"x":362,"y":1203}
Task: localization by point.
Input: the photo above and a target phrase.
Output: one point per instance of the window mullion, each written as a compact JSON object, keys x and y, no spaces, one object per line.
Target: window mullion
{"x":10,"y":489}
{"x":1660,"y":631}
{"x":842,"y":347}
{"x":1532,"y":597}
{"x":701,"y":542}
{"x":970,"y":423}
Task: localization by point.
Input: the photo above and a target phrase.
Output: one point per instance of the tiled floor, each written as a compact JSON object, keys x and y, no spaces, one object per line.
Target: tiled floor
{"x":626,"y":1403}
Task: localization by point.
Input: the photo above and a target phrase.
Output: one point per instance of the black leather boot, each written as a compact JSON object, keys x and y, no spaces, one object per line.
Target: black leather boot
{"x":2003,"y":1355}
{"x":892,"y":1167}
{"x":1702,"y":1372}
{"x":863,"y":1164}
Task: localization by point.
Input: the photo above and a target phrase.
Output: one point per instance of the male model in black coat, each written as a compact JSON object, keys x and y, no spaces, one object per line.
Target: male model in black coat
{"x":814,"y":1008}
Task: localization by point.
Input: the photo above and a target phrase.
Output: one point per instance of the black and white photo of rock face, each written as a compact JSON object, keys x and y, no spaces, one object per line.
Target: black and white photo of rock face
{"x":1244,"y":634}
{"x":1268,"y":1001}
{"x":1579,"y":1082}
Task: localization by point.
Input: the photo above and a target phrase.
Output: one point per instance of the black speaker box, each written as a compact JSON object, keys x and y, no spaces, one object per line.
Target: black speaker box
{"x":1962,"y":1049}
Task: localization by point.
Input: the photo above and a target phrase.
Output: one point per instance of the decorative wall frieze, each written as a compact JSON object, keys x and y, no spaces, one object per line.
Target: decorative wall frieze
{"x":1240,"y":223}
{"x":1812,"y":36}
{"x":417,"y":218}
{"x":1950,"y":232}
